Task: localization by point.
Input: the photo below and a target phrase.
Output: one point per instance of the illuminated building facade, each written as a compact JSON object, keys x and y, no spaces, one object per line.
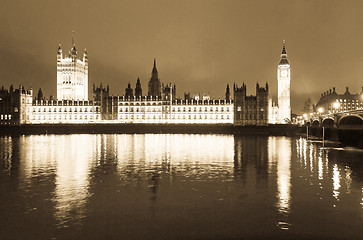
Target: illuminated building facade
{"x":331,"y":102}
{"x":283,"y":78}
{"x":66,"y":111}
{"x":160,"y":105}
{"x":145,"y":110}
{"x":72,"y":75}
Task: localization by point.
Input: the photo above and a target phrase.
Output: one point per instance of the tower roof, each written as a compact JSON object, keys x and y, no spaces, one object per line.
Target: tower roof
{"x":283,"y":59}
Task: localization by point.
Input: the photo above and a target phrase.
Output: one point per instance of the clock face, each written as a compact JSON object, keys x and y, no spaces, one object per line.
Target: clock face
{"x":284,"y":73}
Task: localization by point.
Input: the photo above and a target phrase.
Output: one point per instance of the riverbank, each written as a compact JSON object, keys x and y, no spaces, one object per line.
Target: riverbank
{"x":275,"y":130}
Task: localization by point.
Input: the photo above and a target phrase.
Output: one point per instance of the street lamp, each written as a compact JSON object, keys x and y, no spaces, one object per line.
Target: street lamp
{"x":320,"y":110}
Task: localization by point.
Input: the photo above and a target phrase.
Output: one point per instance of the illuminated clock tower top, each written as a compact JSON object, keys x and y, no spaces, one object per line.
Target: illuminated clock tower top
{"x":283,"y":78}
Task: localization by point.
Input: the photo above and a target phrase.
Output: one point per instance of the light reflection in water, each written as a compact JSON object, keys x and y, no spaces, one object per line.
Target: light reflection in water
{"x":336,"y":181}
{"x":236,"y":178}
{"x":6,"y":150}
{"x":320,"y":166}
{"x":348,"y":178}
{"x":284,"y":175}
{"x":66,"y":158}
{"x":280,"y":152}
{"x":184,"y":153}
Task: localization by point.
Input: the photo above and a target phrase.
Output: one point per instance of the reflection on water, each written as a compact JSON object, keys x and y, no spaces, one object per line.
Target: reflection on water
{"x":6,"y":149}
{"x":336,"y":181}
{"x":189,"y":186}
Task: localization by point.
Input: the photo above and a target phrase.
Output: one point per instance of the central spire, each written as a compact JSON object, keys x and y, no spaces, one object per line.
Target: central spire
{"x":154,"y":73}
{"x":154,"y":83}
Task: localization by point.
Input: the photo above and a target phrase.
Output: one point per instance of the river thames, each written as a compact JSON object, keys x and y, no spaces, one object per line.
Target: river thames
{"x":182,"y":186}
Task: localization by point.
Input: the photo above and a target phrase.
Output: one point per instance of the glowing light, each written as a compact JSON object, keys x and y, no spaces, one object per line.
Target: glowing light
{"x":320,"y":166}
{"x":336,"y":105}
{"x":320,"y":110}
{"x":336,"y":181}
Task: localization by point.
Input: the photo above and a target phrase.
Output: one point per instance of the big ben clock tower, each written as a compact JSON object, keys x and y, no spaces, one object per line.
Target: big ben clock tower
{"x":283,"y":78}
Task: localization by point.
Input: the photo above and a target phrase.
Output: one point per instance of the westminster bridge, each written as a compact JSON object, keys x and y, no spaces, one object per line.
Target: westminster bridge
{"x":345,"y":126}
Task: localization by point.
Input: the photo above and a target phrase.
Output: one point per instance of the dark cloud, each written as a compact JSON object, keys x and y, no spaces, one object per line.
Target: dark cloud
{"x":199,"y":45}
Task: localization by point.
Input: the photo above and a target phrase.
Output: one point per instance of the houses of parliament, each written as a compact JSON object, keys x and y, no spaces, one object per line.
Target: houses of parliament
{"x":159,"y":105}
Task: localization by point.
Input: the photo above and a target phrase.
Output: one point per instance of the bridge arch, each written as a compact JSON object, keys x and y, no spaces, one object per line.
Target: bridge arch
{"x":351,"y":120}
{"x":327,"y":122}
{"x":315,"y":123}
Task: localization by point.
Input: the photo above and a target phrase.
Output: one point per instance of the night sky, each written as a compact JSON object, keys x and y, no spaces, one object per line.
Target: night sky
{"x":199,"y":45}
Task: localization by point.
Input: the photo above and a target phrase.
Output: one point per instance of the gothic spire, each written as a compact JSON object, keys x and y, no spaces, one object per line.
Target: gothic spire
{"x":73,"y":49}
{"x":283,"y":59}
{"x":283,"y":47}
{"x":154,"y":73}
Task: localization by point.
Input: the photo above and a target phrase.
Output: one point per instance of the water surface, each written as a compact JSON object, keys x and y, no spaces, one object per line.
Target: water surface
{"x":156,"y":186}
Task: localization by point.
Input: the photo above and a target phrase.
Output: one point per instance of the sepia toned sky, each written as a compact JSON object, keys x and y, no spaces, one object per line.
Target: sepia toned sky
{"x":200,"y":45}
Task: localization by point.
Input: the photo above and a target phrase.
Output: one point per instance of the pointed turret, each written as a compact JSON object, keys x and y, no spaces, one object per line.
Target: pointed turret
{"x":347,"y":91}
{"x":73,"y":49}
{"x":138,"y":90}
{"x":85,"y":55}
{"x":283,"y":59}
{"x":59,"y":49}
{"x":128,"y":91}
{"x":40,"y":95}
{"x":228,"y":94}
{"x":59,"y":54}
